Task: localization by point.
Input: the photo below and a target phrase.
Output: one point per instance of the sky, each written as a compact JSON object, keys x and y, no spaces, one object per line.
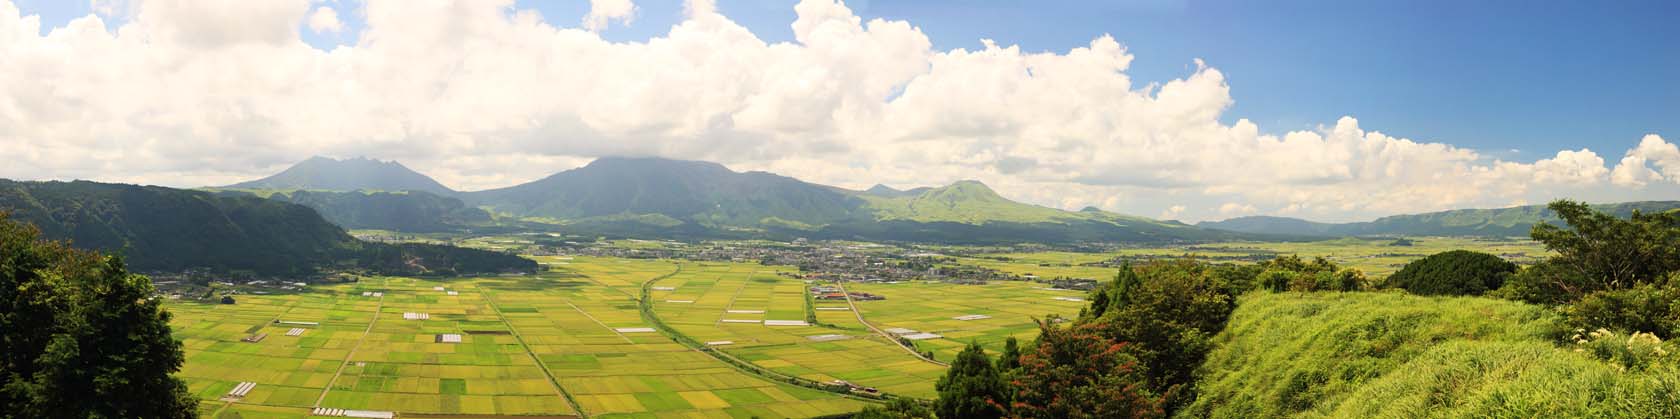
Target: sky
{"x":1189,"y":110}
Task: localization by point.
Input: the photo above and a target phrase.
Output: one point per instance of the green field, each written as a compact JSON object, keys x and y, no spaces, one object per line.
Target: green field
{"x":1378,"y":257}
{"x":527,"y":344}
{"x":840,"y":348}
{"x":933,"y":307}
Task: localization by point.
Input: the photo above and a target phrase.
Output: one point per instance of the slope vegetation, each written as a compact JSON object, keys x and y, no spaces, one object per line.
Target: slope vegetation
{"x":1391,"y":355}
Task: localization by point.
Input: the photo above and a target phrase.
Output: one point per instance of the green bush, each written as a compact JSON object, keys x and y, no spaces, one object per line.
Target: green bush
{"x":1638,"y":352}
{"x":1457,"y":272}
{"x":1643,"y":308}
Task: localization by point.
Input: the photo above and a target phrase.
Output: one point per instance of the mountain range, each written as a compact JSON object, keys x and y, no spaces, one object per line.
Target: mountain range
{"x":655,"y":197}
{"x":665,"y":198}
{"x":1499,"y":222}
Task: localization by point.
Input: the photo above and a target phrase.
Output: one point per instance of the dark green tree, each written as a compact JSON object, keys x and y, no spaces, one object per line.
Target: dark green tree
{"x":1606,"y":252}
{"x":1457,"y":272}
{"x":1011,"y":357}
{"x":82,"y":337}
{"x":971,"y":387}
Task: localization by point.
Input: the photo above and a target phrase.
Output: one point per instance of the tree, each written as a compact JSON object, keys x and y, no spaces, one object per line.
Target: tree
{"x":1076,"y":373}
{"x":899,"y":408}
{"x":227,"y":299}
{"x":1457,"y":272}
{"x":1609,"y":252}
{"x":1169,"y":321}
{"x":1011,"y":357}
{"x":971,"y":387}
{"x":83,"y":336}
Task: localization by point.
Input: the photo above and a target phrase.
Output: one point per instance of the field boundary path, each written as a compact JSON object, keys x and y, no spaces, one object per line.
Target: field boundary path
{"x":558,"y":389}
{"x":883,"y":333}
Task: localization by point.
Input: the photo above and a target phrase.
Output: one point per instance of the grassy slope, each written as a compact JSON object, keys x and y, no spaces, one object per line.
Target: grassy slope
{"x":1361,"y":355}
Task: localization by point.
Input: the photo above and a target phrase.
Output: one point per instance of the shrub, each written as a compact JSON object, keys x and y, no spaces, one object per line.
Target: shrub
{"x":1547,"y":282}
{"x":227,"y":299}
{"x":1275,"y":280}
{"x":1648,"y":308}
{"x":1457,"y":272}
{"x":971,"y":388}
{"x":1077,"y":373}
{"x":1167,"y":320}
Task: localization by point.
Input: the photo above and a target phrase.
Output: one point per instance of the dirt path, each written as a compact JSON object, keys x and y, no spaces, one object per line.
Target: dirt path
{"x":883,"y":333}
{"x":552,"y":380}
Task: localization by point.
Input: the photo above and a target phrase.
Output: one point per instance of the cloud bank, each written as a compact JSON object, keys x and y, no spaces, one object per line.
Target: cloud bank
{"x":480,"y":94}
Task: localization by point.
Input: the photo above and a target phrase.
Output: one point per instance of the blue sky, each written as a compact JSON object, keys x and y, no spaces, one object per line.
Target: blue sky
{"x":1496,"y":76}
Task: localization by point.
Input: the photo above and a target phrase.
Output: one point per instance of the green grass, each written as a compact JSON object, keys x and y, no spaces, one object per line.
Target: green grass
{"x":1358,"y":355}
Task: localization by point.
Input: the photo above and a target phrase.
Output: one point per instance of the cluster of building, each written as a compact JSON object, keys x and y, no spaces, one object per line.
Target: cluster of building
{"x":827,"y":292}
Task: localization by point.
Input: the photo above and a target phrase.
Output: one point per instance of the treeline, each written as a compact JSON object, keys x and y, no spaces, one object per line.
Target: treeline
{"x":171,"y":230}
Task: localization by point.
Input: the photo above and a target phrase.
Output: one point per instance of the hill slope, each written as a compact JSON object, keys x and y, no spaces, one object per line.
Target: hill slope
{"x":164,"y":229}
{"x":1361,"y":355}
{"x":326,"y":174}
{"x":650,"y":196}
{"x":1501,"y":222}
{"x":413,"y":211}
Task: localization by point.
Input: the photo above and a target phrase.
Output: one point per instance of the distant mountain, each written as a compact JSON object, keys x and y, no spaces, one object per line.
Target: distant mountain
{"x":651,"y":196}
{"x":164,"y":229}
{"x":688,"y":191}
{"x":413,"y":211}
{"x":327,"y":174}
{"x":1501,"y":222}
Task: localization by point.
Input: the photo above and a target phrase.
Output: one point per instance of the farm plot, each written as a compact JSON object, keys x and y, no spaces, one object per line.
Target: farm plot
{"x":987,"y":314}
{"x":583,"y":321}
{"x":441,"y":348}
{"x":248,"y":342}
{"x":727,"y":304}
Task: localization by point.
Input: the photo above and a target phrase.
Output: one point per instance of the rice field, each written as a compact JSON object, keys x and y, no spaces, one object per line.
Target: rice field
{"x":561,"y":344}
{"x":729,"y":304}
{"x":987,"y":314}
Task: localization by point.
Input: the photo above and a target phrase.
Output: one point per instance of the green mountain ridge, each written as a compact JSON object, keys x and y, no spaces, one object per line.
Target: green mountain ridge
{"x":1498,"y":222}
{"x":166,"y":229}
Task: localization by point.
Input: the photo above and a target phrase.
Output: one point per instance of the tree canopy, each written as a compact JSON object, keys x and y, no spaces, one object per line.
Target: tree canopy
{"x":1457,"y":272}
{"x":83,"y":336}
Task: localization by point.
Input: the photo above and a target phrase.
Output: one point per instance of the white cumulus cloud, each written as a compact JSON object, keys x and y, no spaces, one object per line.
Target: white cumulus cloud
{"x":325,"y":20}
{"x":603,"y":12}
{"x":481,"y":94}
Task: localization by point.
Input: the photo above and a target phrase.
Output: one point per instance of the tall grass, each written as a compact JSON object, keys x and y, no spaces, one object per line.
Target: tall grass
{"x":1393,"y":355}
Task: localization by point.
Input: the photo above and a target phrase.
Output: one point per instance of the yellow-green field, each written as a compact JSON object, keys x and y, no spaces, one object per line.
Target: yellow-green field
{"x":838,"y":348}
{"x":527,"y":343}
{"x":934,"y":307}
{"x":1377,"y":257}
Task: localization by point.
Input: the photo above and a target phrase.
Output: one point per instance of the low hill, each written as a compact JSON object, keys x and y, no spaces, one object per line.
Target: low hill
{"x":1501,"y":222}
{"x":1362,"y":355}
{"x":165,"y":229}
{"x":413,"y":211}
{"x":327,"y":174}
{"x":667,"y":198}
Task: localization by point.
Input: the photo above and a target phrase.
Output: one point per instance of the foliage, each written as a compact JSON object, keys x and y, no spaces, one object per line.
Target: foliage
{"x":971,"y":387}
{"x":1457,"y":272}
{"x":83,"y":336}
{"x":1166,"y":315}
{"x":900,"y":408}
{"x":1077,"y":373}
{"x":409,"y":211}
{"x":1610,"y":252}
{"x":1547,"y":282}
{"x":1010,"y":359}
{"x":227,"y":299}
{"x":1646,"y":307}
{"x":1501,"y":222}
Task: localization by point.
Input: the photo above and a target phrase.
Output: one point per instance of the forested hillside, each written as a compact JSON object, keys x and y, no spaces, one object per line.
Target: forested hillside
{"x":164,"y":229}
